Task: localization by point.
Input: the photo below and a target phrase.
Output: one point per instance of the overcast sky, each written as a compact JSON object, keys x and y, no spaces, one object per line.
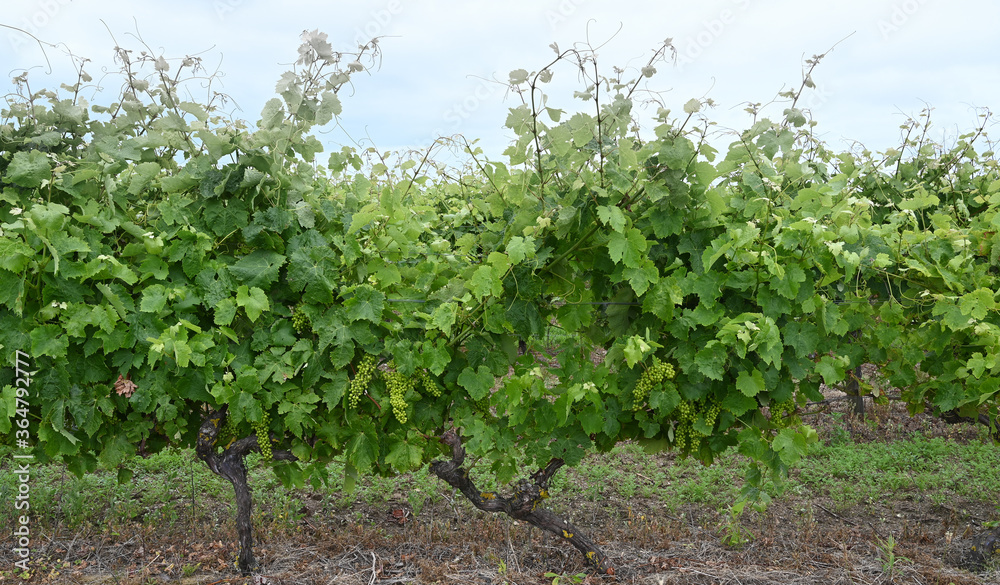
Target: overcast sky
{"x":894,"y":57}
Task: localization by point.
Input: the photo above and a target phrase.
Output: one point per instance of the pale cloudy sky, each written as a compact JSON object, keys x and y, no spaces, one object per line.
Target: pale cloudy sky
{"x":894,"y":57}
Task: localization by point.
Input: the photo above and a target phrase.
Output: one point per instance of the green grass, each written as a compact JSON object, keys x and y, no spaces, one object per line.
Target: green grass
{"x":628,"y":472}
{"x":924,"y":467}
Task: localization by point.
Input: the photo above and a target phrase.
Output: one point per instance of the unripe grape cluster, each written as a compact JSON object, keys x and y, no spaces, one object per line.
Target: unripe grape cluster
{"x":681,"y":432}
{"x":783,"y":413}
{"x":687,"y":439}
{"x":685,"y":411}
{"x":684,"y":437}
{"x":362,"y":378}
{"x":263,"y":435}
{"x":227,"y":434}
{"x":398,"y":386}
{"x":300,"y":320}
{"x":430,"y":385}
{"x":711,"y":411}
{"x":651,"y":378}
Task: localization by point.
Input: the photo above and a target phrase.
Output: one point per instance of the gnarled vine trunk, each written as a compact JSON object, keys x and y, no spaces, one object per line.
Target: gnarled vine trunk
{"x":231,"y":465}
{"x":953,"y":417}
{"x":524,"y":504}
{"x":984,"y":549}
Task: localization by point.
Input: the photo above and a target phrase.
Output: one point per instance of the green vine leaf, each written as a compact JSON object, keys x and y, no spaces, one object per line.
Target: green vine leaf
{"x":253,"y":300}
{"x":28,"y":169}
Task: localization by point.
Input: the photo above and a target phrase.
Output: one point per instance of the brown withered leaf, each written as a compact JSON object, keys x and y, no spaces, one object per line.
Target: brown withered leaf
{"x":124,"y":386}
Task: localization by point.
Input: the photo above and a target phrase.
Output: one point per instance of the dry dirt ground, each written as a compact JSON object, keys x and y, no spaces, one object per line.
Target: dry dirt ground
{"x":797,"y":540}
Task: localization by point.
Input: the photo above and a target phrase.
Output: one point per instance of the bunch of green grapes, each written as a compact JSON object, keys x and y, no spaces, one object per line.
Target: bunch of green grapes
{"x":652,"y":377}
{"x":695,"y":441}
{"x":686,"y":440}
{"x":300,"y":320}
{"x":429,"y":384}
{"x":685,"y":411}
{"x":398,"y":386}
{"x":681,"y":433}
{"x":263,"y":435}
{"x":227,"y":434}
{"x":362,"y":378}
{"x":711,"y":410}
{"x":783,"y":413}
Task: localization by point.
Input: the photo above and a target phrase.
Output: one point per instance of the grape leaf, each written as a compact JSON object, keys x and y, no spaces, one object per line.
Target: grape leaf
{"x":628,"y":247}
{"x":28,"y":169}
{"x":790,"y":445}
{"x":260,"y":268}
{"x":253,"y":300}
{"x":477,"y":382}
{"x":612,"y":216}
{"x":362,"y":450}
{"x":49,"y":340}
{"x":519,"y":248}
{"x":365,"y":304}
{"x":404,"y":456}
{"x":750,"y":383}
{"x":154,"y":298}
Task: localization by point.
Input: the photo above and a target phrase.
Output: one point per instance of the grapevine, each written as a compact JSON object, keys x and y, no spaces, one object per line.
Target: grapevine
{"x":738,"y":303}
{"x":362,"y":378}
{"x":652,"y":377}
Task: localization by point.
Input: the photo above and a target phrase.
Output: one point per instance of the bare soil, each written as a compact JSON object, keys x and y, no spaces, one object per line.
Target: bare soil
{"x":799,"y":539}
